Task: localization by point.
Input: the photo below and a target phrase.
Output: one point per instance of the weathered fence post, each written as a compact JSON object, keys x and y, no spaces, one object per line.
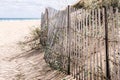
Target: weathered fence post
{"x":68,"y":38}
{"x":47,"y":22}
{"x":41,"y":20}
{"x":47,"y":25}
{"x":106,"y":45}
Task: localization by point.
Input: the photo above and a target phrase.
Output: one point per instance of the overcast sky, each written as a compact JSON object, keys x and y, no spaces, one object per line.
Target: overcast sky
{"x":29,"y":8}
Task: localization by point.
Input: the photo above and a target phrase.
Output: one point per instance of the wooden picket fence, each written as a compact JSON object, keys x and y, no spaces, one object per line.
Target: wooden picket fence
{"x":84,"y":43}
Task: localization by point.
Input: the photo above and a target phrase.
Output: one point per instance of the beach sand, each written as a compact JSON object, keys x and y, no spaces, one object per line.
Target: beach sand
{"x":18,"y":64}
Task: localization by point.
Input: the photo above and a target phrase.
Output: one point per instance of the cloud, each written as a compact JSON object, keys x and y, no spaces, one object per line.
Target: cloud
{"x":29,"y":8}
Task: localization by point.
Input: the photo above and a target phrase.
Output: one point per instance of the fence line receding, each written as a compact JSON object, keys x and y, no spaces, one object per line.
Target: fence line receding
{"x":84,"y":43}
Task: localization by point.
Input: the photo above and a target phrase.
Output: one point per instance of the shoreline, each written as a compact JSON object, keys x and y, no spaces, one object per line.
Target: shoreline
{"x":20,"y":20}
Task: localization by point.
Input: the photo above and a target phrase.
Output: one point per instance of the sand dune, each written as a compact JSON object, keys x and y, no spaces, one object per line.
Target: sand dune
{"x":18,"y":64}
{"x":12,"y":32}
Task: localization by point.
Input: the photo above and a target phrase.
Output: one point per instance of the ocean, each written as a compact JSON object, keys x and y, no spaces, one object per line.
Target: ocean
{"x":8,"y":19}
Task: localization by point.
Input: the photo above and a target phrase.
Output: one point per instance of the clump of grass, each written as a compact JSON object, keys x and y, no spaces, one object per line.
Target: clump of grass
{"x":35,"y":32}
{"x":32,"y":41}
{"x":97,"y":3}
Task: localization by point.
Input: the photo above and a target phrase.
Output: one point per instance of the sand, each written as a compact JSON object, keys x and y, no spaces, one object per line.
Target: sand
{"x":18,"y":64}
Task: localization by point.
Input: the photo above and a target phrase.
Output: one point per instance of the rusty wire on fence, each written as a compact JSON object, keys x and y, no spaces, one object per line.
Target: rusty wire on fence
{"x":84,"y":43}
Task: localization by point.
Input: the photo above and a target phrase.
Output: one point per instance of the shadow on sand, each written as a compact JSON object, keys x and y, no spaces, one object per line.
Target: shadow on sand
{"x":27,"y":54}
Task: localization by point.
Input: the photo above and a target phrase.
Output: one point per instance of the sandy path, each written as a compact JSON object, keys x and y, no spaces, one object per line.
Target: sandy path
{"x":16,"y":64}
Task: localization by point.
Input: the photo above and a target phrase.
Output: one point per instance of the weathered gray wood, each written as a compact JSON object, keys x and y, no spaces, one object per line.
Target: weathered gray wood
{"x":85,"y":42}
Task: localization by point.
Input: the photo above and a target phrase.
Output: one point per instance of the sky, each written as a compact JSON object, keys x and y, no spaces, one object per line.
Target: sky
{"x":29,"y":8}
